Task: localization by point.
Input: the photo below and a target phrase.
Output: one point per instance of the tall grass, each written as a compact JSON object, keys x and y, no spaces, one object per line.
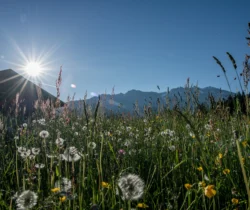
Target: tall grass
{"x":171,"y":159}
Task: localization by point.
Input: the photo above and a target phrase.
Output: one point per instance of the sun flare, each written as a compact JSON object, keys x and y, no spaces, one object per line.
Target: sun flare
{"x":33,"y":69}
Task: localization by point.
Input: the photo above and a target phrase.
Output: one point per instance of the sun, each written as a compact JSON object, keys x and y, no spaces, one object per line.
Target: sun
{"x":33,"y":69}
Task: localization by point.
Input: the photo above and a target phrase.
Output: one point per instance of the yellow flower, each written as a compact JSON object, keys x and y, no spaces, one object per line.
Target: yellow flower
{"x":62,"y":199}
{"x":235,"y":201}
{"x":202,"y":184}
{"x":200,"y":168}
{"x":209,"y":191}
{"x":226,"y":171}
{"x":142,"y":205}
{"x":188,"y":186}
{"x":54,"y":190}
{"x":105,"y":185}
{"x":220,"y":155}
{"x":244,"y":143}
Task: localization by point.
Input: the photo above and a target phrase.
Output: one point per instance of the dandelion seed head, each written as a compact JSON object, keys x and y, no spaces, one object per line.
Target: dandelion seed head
{"x":131,"y":187}
{"x":71,"y":154}
{"x":35,"y":151}
{"x":39,"y":165}
{"x":59,"y":141}
{"x":64,"y":184}
{"x":92,"y":145}
{"x":44,"y":134}
{"x":26,"y":200}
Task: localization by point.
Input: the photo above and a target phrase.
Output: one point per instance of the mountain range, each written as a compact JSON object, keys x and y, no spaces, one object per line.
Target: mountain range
{"x":136,"y":99}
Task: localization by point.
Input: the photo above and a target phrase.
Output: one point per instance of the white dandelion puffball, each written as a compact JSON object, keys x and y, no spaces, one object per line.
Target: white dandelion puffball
{"x":35,"y":151}
{"x":44,"y":134}
{"x":71,"y":154}
{"x":64,"y":184}
{"x":26,"y":200}
{"x":92,"y":145}
{"x":59,"y":142}
{"x":131,"y":186}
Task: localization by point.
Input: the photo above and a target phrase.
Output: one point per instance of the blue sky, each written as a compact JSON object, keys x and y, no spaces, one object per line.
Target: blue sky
{"x":129,"y":44}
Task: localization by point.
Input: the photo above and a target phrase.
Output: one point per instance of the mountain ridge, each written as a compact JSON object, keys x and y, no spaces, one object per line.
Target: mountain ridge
{"x":127,"y":102}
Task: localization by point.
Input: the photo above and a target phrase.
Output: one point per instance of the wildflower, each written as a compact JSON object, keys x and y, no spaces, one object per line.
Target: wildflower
{"x":142,"y":205}
{"x":71,"y":154}
{"x":26,"y":200}
{"x":226,"y":171}
{"x":171,"y":148}
{"x":35,"y":151}
{"x":209,"y":191}
{"x":59,"y":141}
{"x":41,"y":121}
{"x":244,"y":143}
{"x":208,"y":127}
{"x":84,"y":128}
{"x":39,"y":165}
{"x":202,"y":184}
{"x":206,"y":178}
{"x":188,"y":186}
{"x":44,"y":134}
{"x":25,"y":125}
{"x":92,"y":145}
{"x":235,"y":201}
{"x":131,"y":187}
{"x":76,"y":134}
{"x":21,"y":149}
{"x":220,"y":156}
{"x":105,"y":185}
{"x":62,"y":199}
{"x":192,"y":135}
{"x":25,"y":154}
{"x":188,"y":126}
{"x":121,"y":152}
{"x":200,"y":168}
{"x":32,"y":157}
{"x":64,"y":184}
{"x":55,"y":190}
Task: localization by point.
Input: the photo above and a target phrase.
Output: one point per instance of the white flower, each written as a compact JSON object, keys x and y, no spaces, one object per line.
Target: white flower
{"x":25,"y":154}
{"x":172,"y":148}
{"x":92,"y":145}
{"x":33,"y":121}
{"x":128,"y":128}
{"x":41,"y":121}
{"x":16,"y":137}
{"x":25,"y":125}
{"x":32,"y":157}
{"x":208,"y":127}
{"x":35,"y":151}
{"x":39,"y":165}
{"x":26,"y":200}
{"x":59,"y":141}
{"x":76,"y":134}
{"x":64,"y":184}
{"x":71,"y":154}
{"x":131,"y":186}
{"x":188,"y":127}
{"x":21,"y":149}
{"x":44,"y":134}
{"x":51,"y":156}
{"x":84,"y":128}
